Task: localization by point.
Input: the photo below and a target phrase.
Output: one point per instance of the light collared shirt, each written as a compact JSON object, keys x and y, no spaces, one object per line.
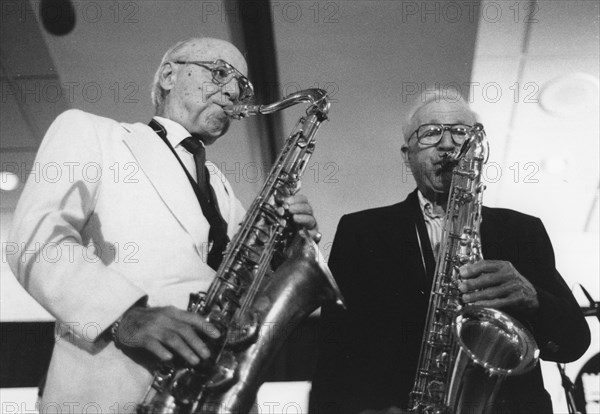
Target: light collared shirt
{"x":433,"y":222}
{"x":175,"y":134}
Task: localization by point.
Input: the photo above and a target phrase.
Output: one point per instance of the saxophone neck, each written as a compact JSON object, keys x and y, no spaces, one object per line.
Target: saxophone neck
{"x":318,"y":99}
{"x":476,"y":143}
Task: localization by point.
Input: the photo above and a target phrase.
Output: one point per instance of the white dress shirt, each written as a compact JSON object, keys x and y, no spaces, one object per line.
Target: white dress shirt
{"x":175,"y":134}
{"x":434,"y":222}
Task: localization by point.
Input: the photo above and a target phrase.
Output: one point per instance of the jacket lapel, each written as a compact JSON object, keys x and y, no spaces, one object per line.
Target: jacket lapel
{"x":168,"y":179}
{"x":428,"y":258}
{"x":493,"y":246}
{"x":400,"y":233}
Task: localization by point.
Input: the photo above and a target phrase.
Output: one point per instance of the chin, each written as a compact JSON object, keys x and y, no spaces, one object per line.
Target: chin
{"x":220,"y":131}
{"x":441,"y":186}
{"x":214,"y":132}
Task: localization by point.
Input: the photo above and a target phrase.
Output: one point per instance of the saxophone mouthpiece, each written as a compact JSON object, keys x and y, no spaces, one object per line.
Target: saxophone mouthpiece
{"x":241,"y":111}
{"x":449,"y":159}
{"x":231,"y":111}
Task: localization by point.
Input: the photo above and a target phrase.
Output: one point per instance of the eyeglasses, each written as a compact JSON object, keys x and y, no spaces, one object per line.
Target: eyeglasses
{"x":431,"y":134}
{"x":222,"y":73}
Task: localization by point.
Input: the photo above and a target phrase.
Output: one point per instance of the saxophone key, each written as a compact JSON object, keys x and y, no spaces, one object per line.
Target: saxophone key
{"x":225,"y":372}
{"x":431,"y":375}
{"x":439,"y":340}
{"x":436,"y":389}
{"x":269,"y":213}
{"x":243,"y":332}
{"x":453,"y":307}
{"x":228,"y":301}
{"x":186,"y":385}
{"x":240,"y":273}
{"x":196,"y":301}
{"x":442,"y":361}
{"x":260,"y":235}
{"x":163,"y":375}
{"x":248,"y":254}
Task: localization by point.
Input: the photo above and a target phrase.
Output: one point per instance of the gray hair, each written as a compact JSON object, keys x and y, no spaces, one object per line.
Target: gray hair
{"x":175,"y":52}
{"x":428,"y":97}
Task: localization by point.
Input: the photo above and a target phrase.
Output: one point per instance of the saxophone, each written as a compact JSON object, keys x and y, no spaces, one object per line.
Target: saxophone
{"x":467,"y":350}
{"x":271,"y":278}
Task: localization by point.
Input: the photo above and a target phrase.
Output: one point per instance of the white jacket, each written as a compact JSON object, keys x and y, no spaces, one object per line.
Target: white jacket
{"x":112,"y":219}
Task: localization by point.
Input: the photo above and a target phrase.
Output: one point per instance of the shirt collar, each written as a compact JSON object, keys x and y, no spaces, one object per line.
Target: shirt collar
{"x":175,"y":132}
{"x":426,"y":207}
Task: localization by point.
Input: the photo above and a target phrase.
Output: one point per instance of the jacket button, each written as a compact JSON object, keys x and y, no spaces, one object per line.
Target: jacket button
{"x":552,"y":346}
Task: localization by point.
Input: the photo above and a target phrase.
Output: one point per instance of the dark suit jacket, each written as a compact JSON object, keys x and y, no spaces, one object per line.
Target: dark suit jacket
{"x":368,"y":354}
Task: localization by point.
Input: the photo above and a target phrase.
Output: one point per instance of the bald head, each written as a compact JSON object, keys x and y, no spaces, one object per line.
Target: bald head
{"x":189,"y":89}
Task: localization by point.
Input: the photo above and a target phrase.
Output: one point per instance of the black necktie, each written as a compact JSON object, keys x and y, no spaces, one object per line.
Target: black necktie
{"x":197,"y":149}
{"x":208,"y":203}
{"x":204,"y":193}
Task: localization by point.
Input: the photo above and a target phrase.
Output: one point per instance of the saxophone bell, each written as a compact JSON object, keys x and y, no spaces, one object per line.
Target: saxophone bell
{"x":491,"y":347}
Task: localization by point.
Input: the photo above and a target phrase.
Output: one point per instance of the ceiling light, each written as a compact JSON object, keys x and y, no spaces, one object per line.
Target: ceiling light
{"x":8,"y":181}
{"x":571,"y":94}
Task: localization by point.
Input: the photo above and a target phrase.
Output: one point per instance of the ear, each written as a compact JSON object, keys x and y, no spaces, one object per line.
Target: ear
{"x":404,"y":150}
{"x":167,"y":76}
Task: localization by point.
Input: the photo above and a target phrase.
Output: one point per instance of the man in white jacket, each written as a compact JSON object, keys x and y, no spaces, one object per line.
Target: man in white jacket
{"x":114,"y":247}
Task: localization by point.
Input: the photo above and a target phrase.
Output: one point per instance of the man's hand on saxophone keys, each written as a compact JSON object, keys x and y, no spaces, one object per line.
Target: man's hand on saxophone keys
{"x":168,"y":332}
{"x":165,"y":332}
{"x":497,"y":284}
{"x":302,"y":214}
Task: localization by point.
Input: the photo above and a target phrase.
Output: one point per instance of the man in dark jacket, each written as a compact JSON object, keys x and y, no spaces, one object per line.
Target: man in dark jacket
{"x":383,"y":260}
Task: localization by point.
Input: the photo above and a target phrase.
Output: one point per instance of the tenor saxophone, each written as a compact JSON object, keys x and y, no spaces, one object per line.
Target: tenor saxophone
{"x":272,"y":277}
{"x":466,"y":352}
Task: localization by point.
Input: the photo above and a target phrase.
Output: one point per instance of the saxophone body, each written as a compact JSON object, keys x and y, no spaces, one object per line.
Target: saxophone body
{"x":271,"y":278}
{"x":467,"y":350}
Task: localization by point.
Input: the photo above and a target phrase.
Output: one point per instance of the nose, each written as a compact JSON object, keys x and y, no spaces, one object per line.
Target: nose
{"x":446,"y":143}
{"x":231,"y":90}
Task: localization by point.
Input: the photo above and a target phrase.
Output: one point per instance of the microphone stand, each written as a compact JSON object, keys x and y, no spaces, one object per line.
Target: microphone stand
{"x":594,"y":309}
{"x":567,"y":384}
{"x":569,"y":387}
